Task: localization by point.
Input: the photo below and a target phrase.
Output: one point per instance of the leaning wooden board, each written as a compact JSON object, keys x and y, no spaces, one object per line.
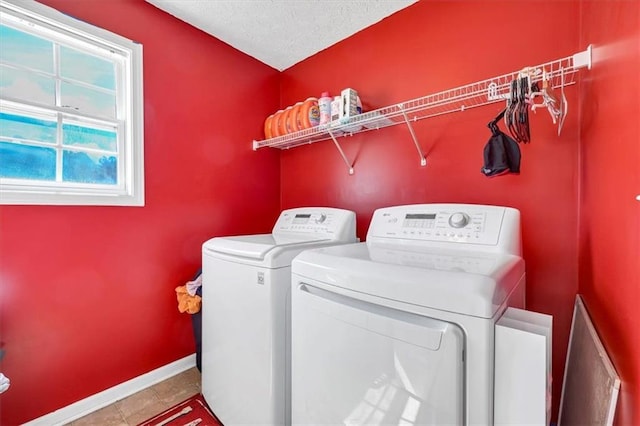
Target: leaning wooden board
{"x":591,"y":384}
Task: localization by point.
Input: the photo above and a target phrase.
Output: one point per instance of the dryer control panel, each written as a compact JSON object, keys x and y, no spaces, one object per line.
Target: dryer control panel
{"x":330,"y":223}
{"x":448,"y":223}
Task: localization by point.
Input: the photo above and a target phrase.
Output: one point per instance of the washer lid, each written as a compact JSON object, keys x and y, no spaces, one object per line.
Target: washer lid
{"x":256,"y":246}
{"x":466,"y":282}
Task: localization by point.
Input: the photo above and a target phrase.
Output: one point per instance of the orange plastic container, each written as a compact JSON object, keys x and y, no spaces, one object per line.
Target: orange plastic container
{"x":275,"y":124}
{"x":267,"y":127}
{"x":283,"y":123}
{"x":294,"y":118}
{"x":309,"y":113}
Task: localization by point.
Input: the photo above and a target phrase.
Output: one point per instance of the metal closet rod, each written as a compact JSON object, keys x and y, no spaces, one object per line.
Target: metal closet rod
{"x":560,"y":73}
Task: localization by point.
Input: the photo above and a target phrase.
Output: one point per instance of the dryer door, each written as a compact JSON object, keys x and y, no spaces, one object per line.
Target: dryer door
{"x":358,"y":363}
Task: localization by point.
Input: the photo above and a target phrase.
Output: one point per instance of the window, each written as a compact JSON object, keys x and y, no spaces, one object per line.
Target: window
{"x":71,"y":119}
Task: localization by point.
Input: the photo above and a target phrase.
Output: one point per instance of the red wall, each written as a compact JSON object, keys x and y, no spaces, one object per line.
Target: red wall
{"x":87,"y":295}
{"x":433,"y":46}
{"x":610,"y":181}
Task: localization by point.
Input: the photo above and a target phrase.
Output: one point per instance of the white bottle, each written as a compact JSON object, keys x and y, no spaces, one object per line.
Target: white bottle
{"x":335,"y":108}
{"x":324,"y":105}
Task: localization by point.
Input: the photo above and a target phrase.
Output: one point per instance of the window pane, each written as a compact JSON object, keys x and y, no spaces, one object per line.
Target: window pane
{"x":87,"y":167}
{"x":27,"y":85}
{"x":27,"y":128}
{"x":89,"y":137}
{"x":88,"y":101}
{"x":25,"y":49}
{"x":87,"y":68}
{"x":27,"y":162}
{"x":69,"y":93}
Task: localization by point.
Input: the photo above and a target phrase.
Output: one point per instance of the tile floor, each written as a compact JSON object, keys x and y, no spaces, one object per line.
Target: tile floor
{"x":145,"y":404}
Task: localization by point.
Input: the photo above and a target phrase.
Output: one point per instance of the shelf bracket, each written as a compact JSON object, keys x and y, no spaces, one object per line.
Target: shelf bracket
{"x":344,"y":157}
{"x":583,"y":59}
{"x":423,"y":159}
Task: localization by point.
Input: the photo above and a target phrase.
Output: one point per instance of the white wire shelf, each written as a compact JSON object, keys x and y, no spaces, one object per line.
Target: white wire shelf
{"x":560,"y":73}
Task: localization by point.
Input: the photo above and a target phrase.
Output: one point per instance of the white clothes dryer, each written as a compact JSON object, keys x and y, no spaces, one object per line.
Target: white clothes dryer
{"x":246,"y":310}
{"x":400,"y":329}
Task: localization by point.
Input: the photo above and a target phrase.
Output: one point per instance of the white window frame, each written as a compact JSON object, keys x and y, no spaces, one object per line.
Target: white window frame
{"x":130,"y":191}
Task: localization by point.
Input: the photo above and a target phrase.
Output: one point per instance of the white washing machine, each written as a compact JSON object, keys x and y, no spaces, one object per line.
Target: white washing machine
{"x":400,"y":329}
{"x":246,"y":309}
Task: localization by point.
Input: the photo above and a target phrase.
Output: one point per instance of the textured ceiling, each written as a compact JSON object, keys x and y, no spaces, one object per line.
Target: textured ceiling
{"x":281,"y":33}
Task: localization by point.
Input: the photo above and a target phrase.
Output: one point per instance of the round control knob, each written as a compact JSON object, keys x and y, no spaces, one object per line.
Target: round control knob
{"x":459,"y":220}
{"x":322,"y":218}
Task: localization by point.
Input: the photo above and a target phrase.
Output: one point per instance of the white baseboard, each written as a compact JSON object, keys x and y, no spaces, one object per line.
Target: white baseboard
{"x":111,"y":395}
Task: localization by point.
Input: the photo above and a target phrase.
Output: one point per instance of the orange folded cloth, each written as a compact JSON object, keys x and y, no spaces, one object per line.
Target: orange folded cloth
{"x":186,"y":302}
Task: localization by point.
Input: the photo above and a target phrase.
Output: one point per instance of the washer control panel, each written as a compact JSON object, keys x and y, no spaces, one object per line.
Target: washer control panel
{"x":320,"y":221}
{"x":451,"y":223}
